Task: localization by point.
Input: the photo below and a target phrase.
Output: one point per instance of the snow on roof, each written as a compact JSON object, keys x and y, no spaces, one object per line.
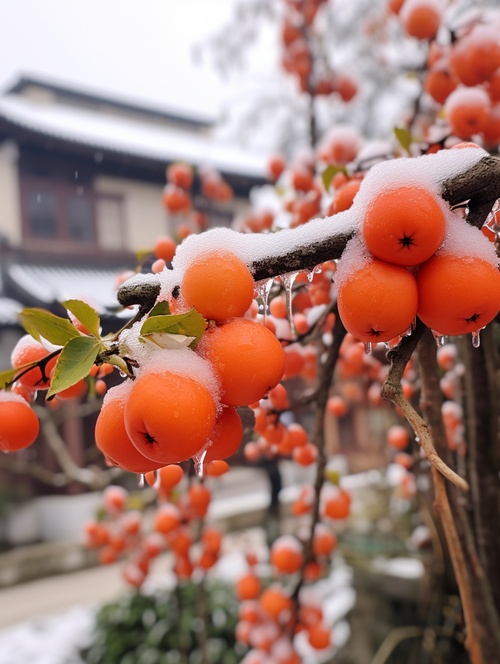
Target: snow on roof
{"x":56,"y":284}
{"x":8,"y":311}
{"x":129,"y":136}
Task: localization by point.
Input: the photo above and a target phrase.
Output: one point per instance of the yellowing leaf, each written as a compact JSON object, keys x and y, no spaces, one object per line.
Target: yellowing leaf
{"x":7,"y":377}
{"x":170,"y":341}
{"x":41,"y":323}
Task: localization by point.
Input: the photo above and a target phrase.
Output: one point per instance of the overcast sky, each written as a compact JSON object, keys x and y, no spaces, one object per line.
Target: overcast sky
{"x":137,"y":49}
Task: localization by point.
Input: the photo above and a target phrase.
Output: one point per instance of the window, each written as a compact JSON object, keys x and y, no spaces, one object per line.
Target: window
{"x":109,"y":222}
{"x":79,"y":219}
{"x":42,"y":214}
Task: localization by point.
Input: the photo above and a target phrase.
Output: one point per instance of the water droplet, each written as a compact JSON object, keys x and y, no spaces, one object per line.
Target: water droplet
{"x":368,"y":348}
{"x":438,"y":338}
{"x":199,"y":461}
{"x":263,"y":289}
{"x":287,"y":280}
{"x":318,"y":269}
{"x":407,"y":333}
{"x":141,"y":480}
{"x":476,"y":339}
{"x":417,"y":439}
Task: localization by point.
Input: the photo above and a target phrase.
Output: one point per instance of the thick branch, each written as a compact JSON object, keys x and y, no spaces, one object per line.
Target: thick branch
{"x":479,"y":185}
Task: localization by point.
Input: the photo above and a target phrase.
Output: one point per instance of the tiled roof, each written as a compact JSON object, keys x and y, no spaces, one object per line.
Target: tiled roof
{"x":56,"y":284}
{"x":129,"y":136}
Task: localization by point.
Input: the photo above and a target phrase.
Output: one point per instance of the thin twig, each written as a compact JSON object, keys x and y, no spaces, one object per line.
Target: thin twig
{"x":393,"y":391}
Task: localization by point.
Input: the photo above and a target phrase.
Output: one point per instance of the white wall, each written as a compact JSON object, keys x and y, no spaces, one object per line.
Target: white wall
{"x":10,"y":210}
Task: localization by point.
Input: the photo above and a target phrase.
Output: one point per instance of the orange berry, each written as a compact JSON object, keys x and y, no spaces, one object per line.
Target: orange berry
{"x":26,"y":351}
{"x":226,"y":436}
{"x":19,"y":424}
{"x":475,"y":57}
{"x":166,"y":519}
{"x":218,"y":285}
{"x":458,"y":294}
{"x":246,"y":357}
{"x":216,"y":468}
{"x":169,"y":416}
{"x":275,"y":603}
{"x":421,"y":18}
{"x":378,"y":301}
{"x":165,"y":249}
{"x":275,"y":167}
{"x":199,"y":498}
{"x":114,"y":499}
{"x":180,"y":175}
{"x":467,"y":111}
{"x":176,"y":199}
{"x":278,"y":397}
{"x":247,"y":587}
{"x":286,"y":555}
{"x":324,"y":540}
{"x":398,"y":437}
{"x":439,"y":83}
{"x":305,"y":455}
{"x":169,"y":476}
{"x":344,"y":196}
{"x":336,"y":406}
{"x":404,"y":225}
{"x":319,"y":636}
{"x":112,"y":438}
{"x":336,"y":503}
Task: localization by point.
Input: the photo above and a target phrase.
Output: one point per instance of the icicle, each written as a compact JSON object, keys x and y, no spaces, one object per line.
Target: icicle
{"x":287,"y":280}
{"x":368,"y":347}
{"x":141,"y":480}
{"x":199,"y":461}
{"x":476,"y":339}
{"x":263,"y":289}
{"x":438,"y":338}
{"x":318,"y":269}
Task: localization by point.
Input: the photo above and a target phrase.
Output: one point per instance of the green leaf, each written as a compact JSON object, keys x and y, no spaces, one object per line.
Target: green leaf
{"x":329,"y":172}
{"x":75,"y":361}
{"x":6,"y":377}
{"x":160,"y":309}
{"x":41,"y":323}
{"x":191,"y":324}
{"x":404,"y":138}
{"x":87,"y":316}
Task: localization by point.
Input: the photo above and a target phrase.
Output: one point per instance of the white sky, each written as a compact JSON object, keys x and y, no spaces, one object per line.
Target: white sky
{"x":136,"y":49}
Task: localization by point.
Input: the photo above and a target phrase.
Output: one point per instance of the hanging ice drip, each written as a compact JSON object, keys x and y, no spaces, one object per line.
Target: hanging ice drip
{"x":288,"y":280}
{"x":318,"y":269}
{"x":492,"y":222}
{"x":263,"y":289}
{"x":199,"y":463}
{"x":438,"y":338}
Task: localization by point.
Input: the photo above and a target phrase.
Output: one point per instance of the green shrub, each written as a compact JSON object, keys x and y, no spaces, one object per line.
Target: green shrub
{"x":167,"y":628}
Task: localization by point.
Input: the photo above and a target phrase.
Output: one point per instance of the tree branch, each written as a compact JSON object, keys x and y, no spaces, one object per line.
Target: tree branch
{"x":480,"y":186}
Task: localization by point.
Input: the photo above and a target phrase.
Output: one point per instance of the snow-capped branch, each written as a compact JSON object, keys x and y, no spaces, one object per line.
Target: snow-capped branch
{"x":317,"y":241}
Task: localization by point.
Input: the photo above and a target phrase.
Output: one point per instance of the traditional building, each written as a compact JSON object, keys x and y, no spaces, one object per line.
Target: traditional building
{"x":81,"y":182}
{"x":81,"y":179}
